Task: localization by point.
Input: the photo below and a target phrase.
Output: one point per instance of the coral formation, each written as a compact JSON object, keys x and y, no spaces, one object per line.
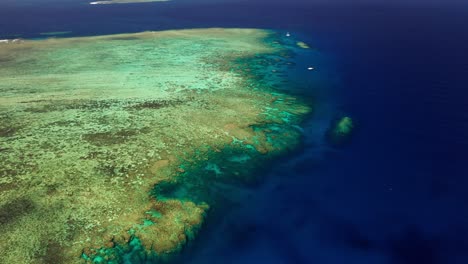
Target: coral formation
{"x":340,"y":131}
{"x":108,"y":144}
{"x":303,"y":45}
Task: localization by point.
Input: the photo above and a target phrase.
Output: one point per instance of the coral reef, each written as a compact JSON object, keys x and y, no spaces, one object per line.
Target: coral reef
{"x":303,"y":45}
{"x":109,"y":144}
{"x":340,"y":131}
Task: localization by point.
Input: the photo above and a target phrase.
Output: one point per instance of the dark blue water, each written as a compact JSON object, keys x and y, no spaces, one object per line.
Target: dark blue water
{"x":397,"y":194}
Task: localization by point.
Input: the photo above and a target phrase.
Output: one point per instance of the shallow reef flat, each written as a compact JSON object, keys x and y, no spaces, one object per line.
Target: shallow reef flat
{"x":109,"y":145}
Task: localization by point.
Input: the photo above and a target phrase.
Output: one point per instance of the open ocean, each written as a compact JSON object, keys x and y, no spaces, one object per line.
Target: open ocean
{"x":398,"y":193}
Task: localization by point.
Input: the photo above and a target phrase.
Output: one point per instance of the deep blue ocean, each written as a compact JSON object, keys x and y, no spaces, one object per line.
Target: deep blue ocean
{"x":397,"y":194}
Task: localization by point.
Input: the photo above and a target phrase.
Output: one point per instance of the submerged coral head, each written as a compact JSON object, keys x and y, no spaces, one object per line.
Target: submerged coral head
{"x":340,"y":131}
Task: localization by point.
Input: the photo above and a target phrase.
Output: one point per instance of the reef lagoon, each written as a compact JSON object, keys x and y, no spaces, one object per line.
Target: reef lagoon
{"x":113,"y":140}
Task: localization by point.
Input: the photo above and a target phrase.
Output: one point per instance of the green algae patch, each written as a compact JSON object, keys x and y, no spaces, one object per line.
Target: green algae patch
{"x":109,"y":144}
{"x":340,"y":131}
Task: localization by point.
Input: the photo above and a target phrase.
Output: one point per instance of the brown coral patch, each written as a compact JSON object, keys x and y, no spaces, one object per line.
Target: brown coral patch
{"x":238,"y":132}
{"x":15,"y":209}
{"x":170,"y":231}
{"x":54,"y":254}
{"x":7,"y":131}
{"x":110,"y":138}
